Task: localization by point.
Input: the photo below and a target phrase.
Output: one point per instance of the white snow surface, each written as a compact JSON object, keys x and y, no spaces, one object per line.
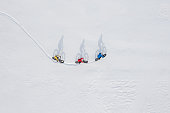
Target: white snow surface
{"x":133,"y":78}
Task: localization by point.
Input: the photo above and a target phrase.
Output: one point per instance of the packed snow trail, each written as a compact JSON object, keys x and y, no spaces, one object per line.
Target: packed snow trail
{"x":28,"y":34}
{"x":35,"y":41}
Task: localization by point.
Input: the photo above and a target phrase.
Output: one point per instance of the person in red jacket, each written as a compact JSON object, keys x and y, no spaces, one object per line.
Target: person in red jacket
{"x":81,"y":60}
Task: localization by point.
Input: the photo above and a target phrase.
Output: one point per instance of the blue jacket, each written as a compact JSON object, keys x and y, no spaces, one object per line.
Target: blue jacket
{"x":100,"y":55}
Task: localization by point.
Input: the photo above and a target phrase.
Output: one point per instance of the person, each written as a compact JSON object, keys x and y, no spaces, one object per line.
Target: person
{"x":81,"y":60}
{"x":99,"y":56}
{"x":58,"y":58}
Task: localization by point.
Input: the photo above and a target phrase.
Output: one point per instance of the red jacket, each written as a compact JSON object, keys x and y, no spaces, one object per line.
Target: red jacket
{"x":80,"y":60}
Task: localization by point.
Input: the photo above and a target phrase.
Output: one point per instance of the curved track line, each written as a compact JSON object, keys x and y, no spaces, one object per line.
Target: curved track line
{"x":28,"y":34}
{"x":34,"y":40}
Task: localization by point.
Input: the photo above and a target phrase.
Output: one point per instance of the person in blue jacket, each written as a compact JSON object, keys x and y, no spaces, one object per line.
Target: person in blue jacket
{"x":99,"y":56}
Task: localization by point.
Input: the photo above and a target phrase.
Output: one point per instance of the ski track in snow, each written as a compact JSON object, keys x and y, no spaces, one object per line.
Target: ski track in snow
{"x":40,"y":46}
{"x":133,"y":78}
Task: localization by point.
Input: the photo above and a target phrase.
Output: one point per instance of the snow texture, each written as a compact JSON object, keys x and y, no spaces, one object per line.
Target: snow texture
{"x":133,"y":77}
